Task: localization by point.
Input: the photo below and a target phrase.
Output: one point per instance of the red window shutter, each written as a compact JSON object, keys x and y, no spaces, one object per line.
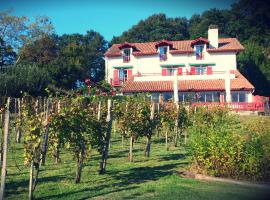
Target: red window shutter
{"x":179,"y":71}
{"x":129,"y":72}
{"x":164,"y":72}
{"x":192,"y":70}
{"x":209,"y":71}
{"x":115,"y":77}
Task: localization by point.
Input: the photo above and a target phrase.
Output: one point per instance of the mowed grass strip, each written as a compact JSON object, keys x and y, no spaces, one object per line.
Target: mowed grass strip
{"x":153,"y":178}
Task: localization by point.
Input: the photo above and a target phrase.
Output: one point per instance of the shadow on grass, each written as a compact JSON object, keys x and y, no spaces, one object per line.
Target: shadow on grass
{"x":12,"y":186}
{"x":122,"y":153}
{"x":142,"y":174}
{"x":87,"y":192}
{"x":172,"y":157}
{"x":124,"y":179}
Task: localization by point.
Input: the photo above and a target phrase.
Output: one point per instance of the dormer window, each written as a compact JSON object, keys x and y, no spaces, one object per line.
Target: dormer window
{"x":198,"y":45}
{"x":163,"y":53}
{"x":126,"y":55}
{"x":199,"y":52}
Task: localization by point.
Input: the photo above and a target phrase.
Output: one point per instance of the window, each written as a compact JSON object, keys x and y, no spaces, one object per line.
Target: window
{"x":155,"y":97}
{"x":200,"y":70}
{"x":120,"y":76}
{"x":123,"y":74}
{"x":208,"y":96}
{"x":171,"y":71}
{"x":186,"y":96}
{"x":167,"y":96}
{"x":126,"y":55}
{"x":163,"y":53}
{"x":199,"y":52}
{"x":238,"y":97}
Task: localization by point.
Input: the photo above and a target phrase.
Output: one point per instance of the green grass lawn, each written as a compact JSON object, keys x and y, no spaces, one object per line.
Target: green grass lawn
{"x":153,"y":178}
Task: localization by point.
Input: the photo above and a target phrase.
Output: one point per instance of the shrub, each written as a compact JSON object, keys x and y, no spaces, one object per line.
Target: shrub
{"x":222,"y":145}
{"x":256,"y":148}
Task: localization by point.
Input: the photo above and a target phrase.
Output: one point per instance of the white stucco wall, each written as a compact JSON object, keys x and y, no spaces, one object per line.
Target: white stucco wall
{"x":151,"y":64}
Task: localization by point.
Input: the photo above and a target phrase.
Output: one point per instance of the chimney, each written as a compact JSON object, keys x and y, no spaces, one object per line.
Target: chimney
{"x":213,"y":36}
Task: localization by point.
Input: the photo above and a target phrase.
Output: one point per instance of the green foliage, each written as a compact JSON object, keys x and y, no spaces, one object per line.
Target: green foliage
{"x":254,"y":64}
{"x":33,"y":128}
{"x":24,"y":78}
{"x":155,"y":27}
{"x":223,"y":146}
{"x":77,"y":125}
{"x":256,"y":163}
{"x":76,"y":128}
{"x":168,"y":115}
{"x":134,"y":117}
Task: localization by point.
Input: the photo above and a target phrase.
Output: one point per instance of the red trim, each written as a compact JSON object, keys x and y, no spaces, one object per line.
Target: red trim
{"x":126,"y":45}
{"x":193,"y":70}
{"x":180,"y":52}
{"x":129,"y":72}
{"x":236,"y":106}
{"x":223,"y":50}
{"x":164,"y":72}
{"x":200,"y":40}
{"x":126,"y":59}
{"x":209,"y":71}
{"x":163,"y":42}
{"x":115,"y":81}
{"x":179,"y":71}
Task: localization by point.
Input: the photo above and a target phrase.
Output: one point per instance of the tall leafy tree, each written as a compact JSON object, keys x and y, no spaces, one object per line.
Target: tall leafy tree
{"x":155,"y":27}
{"x":80,"y":57}
{"x":255,"y":66}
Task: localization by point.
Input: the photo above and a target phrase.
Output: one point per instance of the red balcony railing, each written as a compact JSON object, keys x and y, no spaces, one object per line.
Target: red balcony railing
{"x":162,"y":57}
{"x":126,"y":59}
{"x":236,"y":106}
{"x":117,"y":82}
{"x":200,"y":56}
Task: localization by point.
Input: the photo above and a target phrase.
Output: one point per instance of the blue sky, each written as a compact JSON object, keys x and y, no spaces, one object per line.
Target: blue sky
{"x":109,"y":17}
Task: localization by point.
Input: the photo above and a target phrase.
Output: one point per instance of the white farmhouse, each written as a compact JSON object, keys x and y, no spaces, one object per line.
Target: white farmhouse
{"x":206,"y":69}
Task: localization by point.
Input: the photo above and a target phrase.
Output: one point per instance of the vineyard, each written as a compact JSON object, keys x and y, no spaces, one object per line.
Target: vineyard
{"x":85,"y":147}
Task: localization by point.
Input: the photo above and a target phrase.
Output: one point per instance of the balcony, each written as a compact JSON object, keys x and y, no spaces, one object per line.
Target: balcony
{"x":126,"y":59}
{"x":117,"y":82}
{"x":235,"y":106}
{"x":200,"y":56}
{"x":162,"y":57}
{"x":184,"y":76}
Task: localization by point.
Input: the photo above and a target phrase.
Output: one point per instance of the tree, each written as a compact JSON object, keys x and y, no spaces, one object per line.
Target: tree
{"x":155,"y":27}
{"x":198,"y":24}
{"x":16,"y":31}
{"x":255,"y":66}
{"x":24,"y":78}
{"x":40,"y":52}
{"x":80,"y":57}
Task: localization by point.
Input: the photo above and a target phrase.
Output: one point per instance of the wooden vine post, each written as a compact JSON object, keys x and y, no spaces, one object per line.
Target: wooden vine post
{"x":19,"y":121}
{"x":46,"y":135}
{"x":176,"y":125}
{"x":166,"y":140}
{"x":99,"y":108}
{"x":130,"y":149}
{"x":107,"y":139}
{"x":5,"y":150}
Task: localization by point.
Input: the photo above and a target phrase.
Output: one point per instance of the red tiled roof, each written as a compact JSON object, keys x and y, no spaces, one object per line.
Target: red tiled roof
{"x":239,"y":83}
{"x":126,"y":44}
{"x":178,"y":47}
{"x":200,"y":39}
{"x":159,"y":43}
